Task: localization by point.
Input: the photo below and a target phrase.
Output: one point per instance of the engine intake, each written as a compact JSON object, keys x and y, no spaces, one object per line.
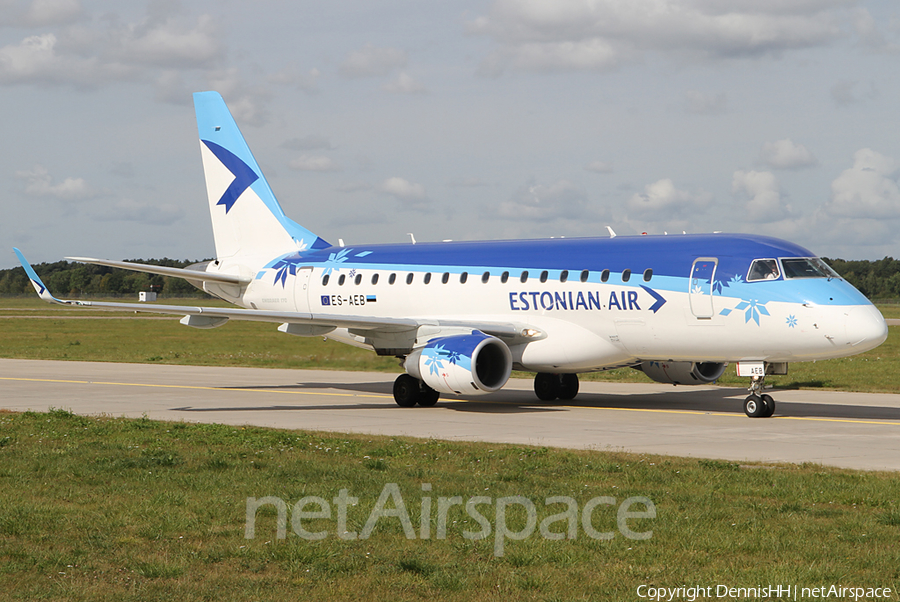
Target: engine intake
{"x":474,"y":364}
{"x":683,"y":373}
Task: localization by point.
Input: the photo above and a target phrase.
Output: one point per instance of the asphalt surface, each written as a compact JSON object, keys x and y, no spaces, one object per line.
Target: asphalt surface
{"x":853,"y":430}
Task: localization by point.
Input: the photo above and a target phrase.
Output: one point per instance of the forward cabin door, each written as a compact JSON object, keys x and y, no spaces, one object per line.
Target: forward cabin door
{"x":703,"y":273}
{"x":301,"y":289}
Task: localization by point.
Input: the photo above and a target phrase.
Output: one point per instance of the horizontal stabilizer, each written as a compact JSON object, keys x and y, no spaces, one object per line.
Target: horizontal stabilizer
{"x":164,"y":271}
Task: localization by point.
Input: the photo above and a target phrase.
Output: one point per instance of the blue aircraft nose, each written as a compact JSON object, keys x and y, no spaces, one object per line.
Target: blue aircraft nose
{"x":866,"y":328}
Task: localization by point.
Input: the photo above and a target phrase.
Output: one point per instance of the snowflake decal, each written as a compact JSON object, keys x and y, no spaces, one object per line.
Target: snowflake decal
{"x":334,"y":261}
{"x":697,"y":290}
{"x":282,"y":268}
{"x":435,"y":362}
{"x":791,"y":321}
{"x":753,"y":309}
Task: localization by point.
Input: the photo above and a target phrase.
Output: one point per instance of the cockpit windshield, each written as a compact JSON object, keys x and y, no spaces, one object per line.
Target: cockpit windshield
{"x":763,"y":269}
{"x":807,"y":267}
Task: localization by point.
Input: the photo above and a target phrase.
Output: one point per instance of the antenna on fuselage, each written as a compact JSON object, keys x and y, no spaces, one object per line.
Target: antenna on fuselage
{"x":340,"y":242}
{"x":612,"y":233}
{"x":411,"y":237}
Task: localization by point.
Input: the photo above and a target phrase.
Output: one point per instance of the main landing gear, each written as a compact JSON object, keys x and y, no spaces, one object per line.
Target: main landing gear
{"x":555,"y":386}
{"x":409,"y":391}
{"x":756,"y":405}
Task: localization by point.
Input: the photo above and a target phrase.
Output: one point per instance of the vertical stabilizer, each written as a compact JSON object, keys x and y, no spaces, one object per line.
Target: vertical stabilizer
{"x":246,"y":218}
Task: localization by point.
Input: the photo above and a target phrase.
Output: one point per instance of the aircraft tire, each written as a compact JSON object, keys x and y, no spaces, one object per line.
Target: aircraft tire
{"x":770,"y":406}
{"x":406,"y":391}
{"x":546,"y":386}
{"x":428,"y":396}
{"x":568,"y":386}
{"x":754,"y":407}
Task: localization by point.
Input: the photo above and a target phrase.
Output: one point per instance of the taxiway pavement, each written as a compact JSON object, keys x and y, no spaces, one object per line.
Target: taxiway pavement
{"x":852,"y":430}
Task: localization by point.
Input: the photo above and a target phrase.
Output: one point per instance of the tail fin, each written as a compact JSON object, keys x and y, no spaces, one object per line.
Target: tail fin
{"x":246,"y":218}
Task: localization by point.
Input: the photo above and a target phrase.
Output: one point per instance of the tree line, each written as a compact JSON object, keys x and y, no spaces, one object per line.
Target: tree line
{"x":879,"y":279}
{"x":65,"y":279}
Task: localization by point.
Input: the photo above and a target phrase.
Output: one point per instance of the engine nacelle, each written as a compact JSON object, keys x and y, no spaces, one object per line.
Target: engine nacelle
{"x":683,"y":373}
{"x":472,"y":364}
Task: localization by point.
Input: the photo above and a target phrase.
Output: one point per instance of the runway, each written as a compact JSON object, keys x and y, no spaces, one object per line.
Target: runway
{"x":852,"y":430}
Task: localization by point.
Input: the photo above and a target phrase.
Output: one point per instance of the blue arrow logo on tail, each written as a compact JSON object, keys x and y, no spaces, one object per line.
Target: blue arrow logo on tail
{"x":660,"y":301}
{"x":244,"y":175}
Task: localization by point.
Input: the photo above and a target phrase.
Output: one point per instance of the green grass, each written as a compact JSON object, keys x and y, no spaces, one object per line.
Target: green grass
{"x":261,"y":345}
{"x":118,"y":509}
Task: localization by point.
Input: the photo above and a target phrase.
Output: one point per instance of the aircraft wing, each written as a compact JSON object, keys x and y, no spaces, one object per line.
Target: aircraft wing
{"x":187,"y":274}
{"x":214,"y":316}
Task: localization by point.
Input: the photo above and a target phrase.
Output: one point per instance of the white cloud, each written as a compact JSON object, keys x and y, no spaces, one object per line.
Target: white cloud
{"x":786,"y":154}
{"x":39,"y":183}
{"x":107,"y":52}
{"x":700,"y":103}
{"x":404,"y":84}
{"x":867,"y":190}
{"x":539,"y":202}
{"x":661,"y":201}
{"x":130,"y":210}
{"x":314,"y":163}
{"x":40,"y":13}
{"x":290,"y":76}
{"x":248,"y":104}
{"x":543,"y":35}
{"x":869,"y":35}
{"x":599,"y":167}
{"x":370,"y":61}
{"x":413,"y":196}
{"x":763,"y":196}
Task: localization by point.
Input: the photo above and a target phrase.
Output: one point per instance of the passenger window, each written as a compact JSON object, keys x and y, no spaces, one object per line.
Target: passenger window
{"x":463,"y":277}
{"x":485,"y":277}
{"x":358,"y":278}
{"x":392,"y":279}
{"x":544,"y":275}
{"x":585,"y":274}
{"x":427,"y":277}
{"x":763,"y":269}
{"x":409,"y":278}
{"x":325,"y":280}
{"x":604,"y":275}
{"x":341,"y":280}
{"x":445,"y":278}
{"x":648,"y":274}
{"x":374,"y":278}
{"x":504,"y":277}
{"x":564,"y":275}
{"x":524,"y":277}
{"x":626,"y":275}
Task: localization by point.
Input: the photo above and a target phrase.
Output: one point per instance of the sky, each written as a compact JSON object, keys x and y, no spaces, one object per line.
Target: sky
{"x":459,"y":120}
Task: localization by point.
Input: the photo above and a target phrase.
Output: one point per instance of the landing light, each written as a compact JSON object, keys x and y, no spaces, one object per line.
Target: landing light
{"x":530,"y":333}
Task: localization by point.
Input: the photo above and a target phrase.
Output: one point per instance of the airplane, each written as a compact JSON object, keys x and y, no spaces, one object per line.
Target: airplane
{"x":460,"y":316}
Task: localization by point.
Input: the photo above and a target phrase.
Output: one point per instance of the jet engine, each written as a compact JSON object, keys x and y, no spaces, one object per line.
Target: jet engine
{"x":683,"y":373}
{"x":473,"y":364}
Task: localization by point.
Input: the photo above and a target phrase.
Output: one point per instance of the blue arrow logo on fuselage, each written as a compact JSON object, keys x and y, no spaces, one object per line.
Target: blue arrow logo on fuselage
{"x":660,"y":301}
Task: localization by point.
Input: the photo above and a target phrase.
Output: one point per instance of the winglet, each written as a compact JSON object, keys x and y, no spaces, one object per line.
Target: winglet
{"x":42,"y":291}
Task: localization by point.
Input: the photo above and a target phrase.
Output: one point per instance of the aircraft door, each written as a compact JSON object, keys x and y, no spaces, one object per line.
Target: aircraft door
{"x":301,"y":289}
{"x":703,"y":274}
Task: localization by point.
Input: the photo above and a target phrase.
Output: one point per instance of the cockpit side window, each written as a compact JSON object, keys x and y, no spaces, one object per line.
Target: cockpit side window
{"x":763,"y":269}
{"x":807,"y":267}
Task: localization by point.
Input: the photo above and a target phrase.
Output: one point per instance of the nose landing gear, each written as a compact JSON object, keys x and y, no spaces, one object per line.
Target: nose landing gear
{"x":756,"y":405}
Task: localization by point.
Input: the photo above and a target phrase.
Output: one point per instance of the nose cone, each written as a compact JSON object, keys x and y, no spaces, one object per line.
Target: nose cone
{"x":866,"y":328}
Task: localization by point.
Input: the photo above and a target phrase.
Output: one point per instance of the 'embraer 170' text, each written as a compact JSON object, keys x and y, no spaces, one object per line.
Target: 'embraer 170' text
{"x":523,"y":301}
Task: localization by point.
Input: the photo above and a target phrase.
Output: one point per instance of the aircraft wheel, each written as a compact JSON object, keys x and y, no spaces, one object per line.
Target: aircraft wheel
{"x":406,"y":391}
{"x":770,"y":406}
{"x":568,"y":386}
{"x":546,"y":386}
{"x":754,"y":407}
{"x":428,"y":396}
